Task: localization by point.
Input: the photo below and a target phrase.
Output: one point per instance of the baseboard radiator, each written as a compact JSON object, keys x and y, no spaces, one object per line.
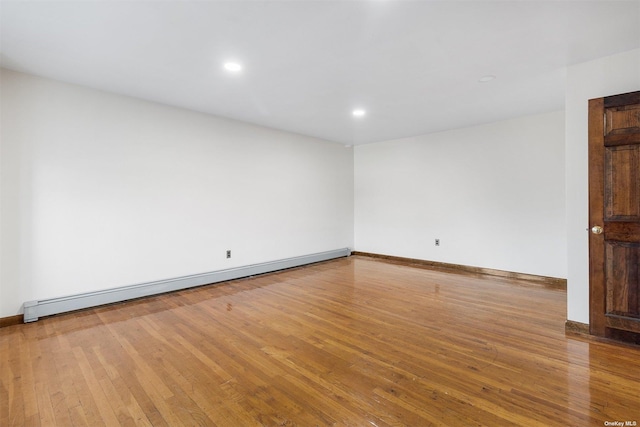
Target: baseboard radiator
{"x":47,"y":307}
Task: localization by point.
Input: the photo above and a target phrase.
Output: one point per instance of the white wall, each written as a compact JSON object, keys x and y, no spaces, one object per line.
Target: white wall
{"x":492,"y":194}
{"x":603,"y":77}
{"x":100,"y":190}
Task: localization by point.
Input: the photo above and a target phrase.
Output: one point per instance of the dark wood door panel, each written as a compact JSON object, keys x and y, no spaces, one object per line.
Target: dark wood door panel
{"x":621,"y":100}
{"x":622,"y":231}
{"x":622,"y":182}
{"x":622,"y":125}
{"x":614,"y":215}
{"x":613,"y":321}
{"x":622,"y":279}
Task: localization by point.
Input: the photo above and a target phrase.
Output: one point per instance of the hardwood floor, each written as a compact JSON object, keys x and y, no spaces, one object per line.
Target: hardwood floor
{"x":354,"y":341}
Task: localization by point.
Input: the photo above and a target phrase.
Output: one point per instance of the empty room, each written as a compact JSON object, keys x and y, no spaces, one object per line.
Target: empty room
{"x":319,"y":213}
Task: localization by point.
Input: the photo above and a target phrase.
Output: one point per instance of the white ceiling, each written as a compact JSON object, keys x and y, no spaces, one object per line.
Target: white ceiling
{"x":412,"y":65}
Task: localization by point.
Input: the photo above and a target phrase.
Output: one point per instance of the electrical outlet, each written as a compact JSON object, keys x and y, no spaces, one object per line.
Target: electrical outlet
{"x":437,"y":242}
{"x":229,"y":253}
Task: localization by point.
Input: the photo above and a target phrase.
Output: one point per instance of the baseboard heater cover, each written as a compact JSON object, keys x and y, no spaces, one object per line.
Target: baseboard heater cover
{"x":47,"y":307}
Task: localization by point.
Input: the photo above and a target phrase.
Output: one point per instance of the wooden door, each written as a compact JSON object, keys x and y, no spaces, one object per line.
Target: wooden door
{"x":614,"y":214}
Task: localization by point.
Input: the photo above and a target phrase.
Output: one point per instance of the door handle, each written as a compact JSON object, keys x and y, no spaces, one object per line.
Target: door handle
{"x":596,"y":229}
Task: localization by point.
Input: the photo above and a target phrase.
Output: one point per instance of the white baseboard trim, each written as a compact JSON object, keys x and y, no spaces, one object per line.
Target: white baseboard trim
{"x":46,"y":307}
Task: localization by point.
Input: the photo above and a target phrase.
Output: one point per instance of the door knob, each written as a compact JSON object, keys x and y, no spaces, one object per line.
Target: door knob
{"x":597,"y":229}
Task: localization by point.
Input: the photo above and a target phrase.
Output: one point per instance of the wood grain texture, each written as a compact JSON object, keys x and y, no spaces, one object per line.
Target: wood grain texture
{"x":552,"y":282}
{"x":614,"y":194}
{"x":572,"y":327}
{"x":622,"y":126}
{"x":622,"y":178}
{"x":354,"y":341}
{"x":622,"y":99}
{"x":11,"y":320}
{"x":597,"y":322}
{"x":622,"y":279}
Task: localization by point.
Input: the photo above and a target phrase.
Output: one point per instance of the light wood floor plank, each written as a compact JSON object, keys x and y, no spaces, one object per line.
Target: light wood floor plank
{"x":354,"y":341}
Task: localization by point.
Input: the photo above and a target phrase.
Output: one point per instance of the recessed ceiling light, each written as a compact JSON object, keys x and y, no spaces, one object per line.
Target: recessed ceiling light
{"x":232,"y":66}
{"x":486,"y":78}
{"x":359,"y":113}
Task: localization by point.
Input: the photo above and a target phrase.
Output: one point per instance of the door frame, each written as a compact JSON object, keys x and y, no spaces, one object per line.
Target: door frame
{"x":597,"y":302}
{"x":598,"y":322}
